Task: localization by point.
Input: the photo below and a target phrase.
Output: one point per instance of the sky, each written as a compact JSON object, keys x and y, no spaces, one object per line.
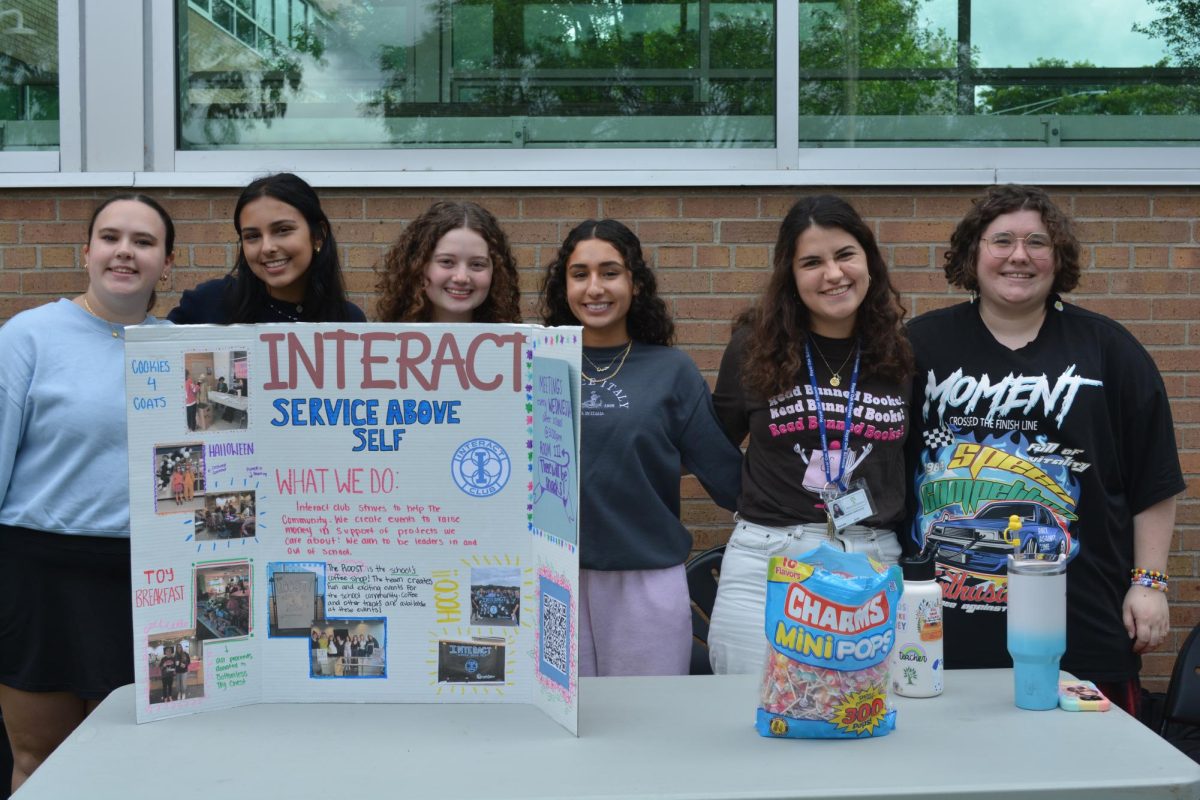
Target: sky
{"x":1012,"y":33}
{"x":495,"y":576}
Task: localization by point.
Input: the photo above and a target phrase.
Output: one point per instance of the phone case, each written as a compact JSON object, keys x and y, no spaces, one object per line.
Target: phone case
{"x":1081,"y":696}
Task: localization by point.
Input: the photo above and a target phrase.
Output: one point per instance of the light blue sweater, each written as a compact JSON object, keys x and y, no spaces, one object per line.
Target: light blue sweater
{"x":63,"y":456}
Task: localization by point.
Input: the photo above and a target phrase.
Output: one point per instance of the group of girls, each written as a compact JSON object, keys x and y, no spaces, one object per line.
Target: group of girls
{"x":820,"y":352}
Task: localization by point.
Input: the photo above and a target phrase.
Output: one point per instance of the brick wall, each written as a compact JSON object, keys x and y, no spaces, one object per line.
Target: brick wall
{"x":711,"y":249}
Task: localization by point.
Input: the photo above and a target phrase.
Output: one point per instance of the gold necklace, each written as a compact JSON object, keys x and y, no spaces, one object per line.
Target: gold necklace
{"x":593,"y":381}
{"x":836,"y":378}
{"x":88,"y":306}
{"x":619,"y":356}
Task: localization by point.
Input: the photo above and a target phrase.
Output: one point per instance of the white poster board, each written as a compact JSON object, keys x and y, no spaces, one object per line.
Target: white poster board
{"x":353,"y":518}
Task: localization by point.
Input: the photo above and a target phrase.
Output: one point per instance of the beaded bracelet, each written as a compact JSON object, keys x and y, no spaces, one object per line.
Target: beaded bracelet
{"x":1151,"y":579}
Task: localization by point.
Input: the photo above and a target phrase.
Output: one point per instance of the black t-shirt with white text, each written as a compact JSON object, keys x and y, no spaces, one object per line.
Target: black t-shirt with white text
{"x":1072,"y":433}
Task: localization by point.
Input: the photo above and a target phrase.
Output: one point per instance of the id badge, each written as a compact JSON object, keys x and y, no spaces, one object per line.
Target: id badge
{"x":849,"y":507}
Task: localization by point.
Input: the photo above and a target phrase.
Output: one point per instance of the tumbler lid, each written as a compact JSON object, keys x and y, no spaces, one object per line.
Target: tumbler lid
{"x":1036,"y":564}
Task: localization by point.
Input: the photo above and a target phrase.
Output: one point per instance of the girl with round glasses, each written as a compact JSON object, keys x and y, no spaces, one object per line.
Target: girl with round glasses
{"x":1026,"y":405}
{"x":817,"y":376}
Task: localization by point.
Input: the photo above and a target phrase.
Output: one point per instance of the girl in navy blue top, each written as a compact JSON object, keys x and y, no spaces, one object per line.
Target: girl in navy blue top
{"x":287,"y":265}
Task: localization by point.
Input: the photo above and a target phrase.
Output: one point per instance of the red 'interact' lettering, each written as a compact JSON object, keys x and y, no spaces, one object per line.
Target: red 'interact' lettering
{"x":418,"y":360}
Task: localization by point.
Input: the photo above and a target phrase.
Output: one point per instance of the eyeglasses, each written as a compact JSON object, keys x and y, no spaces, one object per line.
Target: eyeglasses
{"x":1038,"y":246}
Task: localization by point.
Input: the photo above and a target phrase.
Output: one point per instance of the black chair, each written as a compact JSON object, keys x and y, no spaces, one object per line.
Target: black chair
{"x":1183,"y":693}
{"x":1180,"y":723}
{"x":703,"y":573}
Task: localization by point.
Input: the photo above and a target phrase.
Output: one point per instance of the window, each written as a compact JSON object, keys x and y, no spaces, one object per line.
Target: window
{"x":29,"y":75}
{"x":913,"y":73}
{"x":476,"y":73}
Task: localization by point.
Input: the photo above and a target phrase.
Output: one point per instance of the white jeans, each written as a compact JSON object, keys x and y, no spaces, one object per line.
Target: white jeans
{"x":737,"y":641}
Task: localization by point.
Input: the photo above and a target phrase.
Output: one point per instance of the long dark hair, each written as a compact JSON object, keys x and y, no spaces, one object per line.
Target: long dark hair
{"x":401,"y":285}
{"x":325,"y":293}
{"x":779,"y":321}
{"x":648,"y":319}
{"x":146,"y":200}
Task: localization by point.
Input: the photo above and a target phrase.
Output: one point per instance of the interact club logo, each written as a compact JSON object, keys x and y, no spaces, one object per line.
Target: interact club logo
{"x":480,"y":467}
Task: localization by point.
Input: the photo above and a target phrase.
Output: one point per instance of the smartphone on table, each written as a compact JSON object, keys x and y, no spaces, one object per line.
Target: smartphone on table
{"x":1081,"y":696}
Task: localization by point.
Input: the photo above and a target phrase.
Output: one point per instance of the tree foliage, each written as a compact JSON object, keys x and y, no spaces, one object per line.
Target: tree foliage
{"x":1126,"y":100}
{"x":857,"y":37}
{"x":1178,"y":28}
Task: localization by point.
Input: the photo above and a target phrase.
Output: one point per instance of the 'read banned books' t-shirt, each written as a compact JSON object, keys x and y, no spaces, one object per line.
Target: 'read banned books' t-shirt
{"x":783,"y":471}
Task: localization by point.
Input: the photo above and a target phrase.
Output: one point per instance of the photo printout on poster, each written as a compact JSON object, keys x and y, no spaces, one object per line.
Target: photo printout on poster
{"x":294,"y":593}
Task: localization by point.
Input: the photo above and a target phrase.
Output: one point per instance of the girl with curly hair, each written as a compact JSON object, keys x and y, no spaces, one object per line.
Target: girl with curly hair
{"x":287,"y":266}
{"x":1072,"y":423}
{"x":817,"y":374}
{"x":451,"y":264}
{"x":646,"y":416}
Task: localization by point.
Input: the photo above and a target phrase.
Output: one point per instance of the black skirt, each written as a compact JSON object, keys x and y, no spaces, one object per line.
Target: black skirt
{"x":66,"y":613}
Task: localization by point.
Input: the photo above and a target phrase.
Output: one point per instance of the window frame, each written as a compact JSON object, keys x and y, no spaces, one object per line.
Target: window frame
{"x":149,"y":155}
{"x":25,"y":166}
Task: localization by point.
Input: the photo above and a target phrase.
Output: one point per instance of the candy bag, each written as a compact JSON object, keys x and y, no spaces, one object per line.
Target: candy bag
{"x":830,"y":624}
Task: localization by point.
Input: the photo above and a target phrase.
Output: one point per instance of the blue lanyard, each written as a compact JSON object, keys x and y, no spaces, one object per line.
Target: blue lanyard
{"x":816,"y":390}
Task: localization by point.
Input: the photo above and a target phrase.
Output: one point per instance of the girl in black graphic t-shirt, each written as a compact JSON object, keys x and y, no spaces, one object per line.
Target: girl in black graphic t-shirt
{"x":817,"y":376}
{"x":1078,"y":415}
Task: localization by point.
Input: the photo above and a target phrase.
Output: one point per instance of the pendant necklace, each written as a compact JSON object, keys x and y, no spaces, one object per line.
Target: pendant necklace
{"x":601,"y":378}
{"x":115,"y":329}
{"x":836,"y":378}
{"x":618,"y":357}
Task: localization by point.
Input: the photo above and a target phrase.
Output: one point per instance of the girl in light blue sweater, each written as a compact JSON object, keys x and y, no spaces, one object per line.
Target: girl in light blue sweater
{"x":64,"y":499}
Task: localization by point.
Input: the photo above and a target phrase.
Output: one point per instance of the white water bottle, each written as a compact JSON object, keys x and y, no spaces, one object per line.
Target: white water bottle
{"x":916,"y":661}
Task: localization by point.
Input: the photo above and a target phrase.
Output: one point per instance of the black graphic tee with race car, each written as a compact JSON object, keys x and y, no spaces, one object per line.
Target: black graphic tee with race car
{"x":1072,"y":434}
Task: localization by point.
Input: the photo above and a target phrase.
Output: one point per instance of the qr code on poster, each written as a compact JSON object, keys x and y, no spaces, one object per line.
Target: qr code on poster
{"x":554,"y":632}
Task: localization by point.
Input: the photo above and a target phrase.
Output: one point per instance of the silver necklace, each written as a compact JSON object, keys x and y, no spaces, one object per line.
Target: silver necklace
{"x":284,"y":312}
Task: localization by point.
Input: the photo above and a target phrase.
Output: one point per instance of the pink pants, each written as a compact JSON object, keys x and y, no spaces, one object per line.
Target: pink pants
{"x":634,"y":622}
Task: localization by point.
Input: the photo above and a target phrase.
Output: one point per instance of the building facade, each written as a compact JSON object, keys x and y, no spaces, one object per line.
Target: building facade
{"x":696,"y":122}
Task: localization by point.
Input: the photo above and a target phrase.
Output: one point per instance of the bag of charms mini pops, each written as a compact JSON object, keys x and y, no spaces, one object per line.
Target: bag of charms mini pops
{"x":830,"y":624}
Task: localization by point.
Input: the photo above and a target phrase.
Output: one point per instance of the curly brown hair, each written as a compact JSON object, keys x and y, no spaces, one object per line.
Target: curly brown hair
{"x":648,"y":320}
{"x":779,"y":322}
{"x":962,"y":259}
{"x":401,"y":284}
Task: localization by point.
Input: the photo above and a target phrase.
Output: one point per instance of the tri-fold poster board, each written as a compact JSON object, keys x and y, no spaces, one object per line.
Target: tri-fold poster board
{"x":354,"y":513}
